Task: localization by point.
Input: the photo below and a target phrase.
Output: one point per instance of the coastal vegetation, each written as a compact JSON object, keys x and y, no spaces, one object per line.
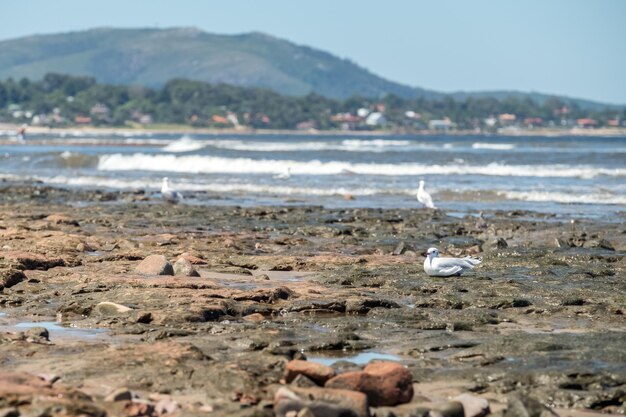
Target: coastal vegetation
{"x":65,"y":100}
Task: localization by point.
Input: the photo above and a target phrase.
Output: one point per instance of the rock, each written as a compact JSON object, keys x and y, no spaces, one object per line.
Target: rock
{"x":321,"y":402}
{"x":400,"y":248}
{"x":191,"y":258}
{"x":29,"y":260}
{"x":602,"y":243}
{"x":155,"y":265}
{"x":10,"y":277}
{"x":254,"y":317}
{"x":523,"y":406}
{"x":494,"y":244}
{"x":447,"y":409}
{"x":318,"y":373}
{"x":384,"y":383}
{"x":166,"y":406}
{"x":560,"y":243}
{"x":121,"y":394}
{"x":107,"y":308}
{"x":360,"y":305}
{"x":183,"y":267}
{"x":139,"y":409}
{"x":303,"y":382}
{"x":411,"y":409}
{"x":58,"y":218}
{"x":37,"y":334}
{"x":473,"y":405}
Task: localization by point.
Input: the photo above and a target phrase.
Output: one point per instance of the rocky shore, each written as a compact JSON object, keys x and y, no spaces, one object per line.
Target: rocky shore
{"x":117,"y":304}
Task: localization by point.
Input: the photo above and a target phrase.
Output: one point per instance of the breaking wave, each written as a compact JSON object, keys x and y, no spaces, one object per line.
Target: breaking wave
{"x":211,"y":165}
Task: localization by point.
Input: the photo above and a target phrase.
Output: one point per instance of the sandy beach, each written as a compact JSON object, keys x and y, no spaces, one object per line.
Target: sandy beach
{"x":542,"y":319}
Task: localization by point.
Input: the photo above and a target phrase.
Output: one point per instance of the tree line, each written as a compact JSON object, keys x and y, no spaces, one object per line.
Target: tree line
{"x":201,"y":104}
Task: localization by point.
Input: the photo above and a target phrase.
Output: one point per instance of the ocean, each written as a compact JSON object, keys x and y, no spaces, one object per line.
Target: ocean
{"x":565,"y":177}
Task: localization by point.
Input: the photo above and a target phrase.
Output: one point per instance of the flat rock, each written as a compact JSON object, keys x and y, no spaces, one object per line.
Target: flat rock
{"x":314,"y":371}
{"x":58,"y":218}
{"x":384,"y":383}
{"x":29,"y":260}
{"x":155,"y":265}
{"x":322,"y":402}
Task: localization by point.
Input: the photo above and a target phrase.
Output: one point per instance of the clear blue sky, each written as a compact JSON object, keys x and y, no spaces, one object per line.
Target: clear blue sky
{"x":568,"y":47}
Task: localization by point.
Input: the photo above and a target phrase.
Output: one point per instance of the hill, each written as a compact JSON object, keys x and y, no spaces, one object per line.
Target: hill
{"x":152,"y":57}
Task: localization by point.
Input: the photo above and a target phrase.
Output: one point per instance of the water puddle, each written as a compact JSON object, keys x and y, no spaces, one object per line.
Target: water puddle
{"x":358,"y":359}
{"x":55,"y":329}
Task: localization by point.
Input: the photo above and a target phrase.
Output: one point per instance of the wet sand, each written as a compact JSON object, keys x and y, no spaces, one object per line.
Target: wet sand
{"x":543,"y":316}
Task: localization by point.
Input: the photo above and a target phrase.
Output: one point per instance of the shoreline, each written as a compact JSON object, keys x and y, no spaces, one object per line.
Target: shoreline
{"x":182,"y":130}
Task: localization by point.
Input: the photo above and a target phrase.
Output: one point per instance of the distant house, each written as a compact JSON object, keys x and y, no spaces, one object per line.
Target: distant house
{"x":306,"y":125}
{"x":613,"y":123}
{"x":219,"y":120}
{"x":376,"y":119}
{"x":82,"y":120}
{"x":346,"y":121}
{"x":533,"y":121}
{"x":586,"y":123}
{"x":441,"y":125}
{"x":507,"y":118}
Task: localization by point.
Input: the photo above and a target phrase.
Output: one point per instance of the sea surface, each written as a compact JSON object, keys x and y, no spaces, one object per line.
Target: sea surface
{"x":563,"y":176}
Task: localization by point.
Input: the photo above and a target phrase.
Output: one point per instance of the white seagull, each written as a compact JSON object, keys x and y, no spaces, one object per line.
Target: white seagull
{"x":168,"y":193}
{"x":446,"y":267}
{"x":423,"y":197}
{"x":285,"y":175}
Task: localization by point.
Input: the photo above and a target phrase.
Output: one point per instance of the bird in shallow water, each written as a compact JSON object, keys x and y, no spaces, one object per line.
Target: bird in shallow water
{"x":284,"y":175}
{"x":447,"y":267}
{"x":168,"y":193}
{"x":423,"y":197}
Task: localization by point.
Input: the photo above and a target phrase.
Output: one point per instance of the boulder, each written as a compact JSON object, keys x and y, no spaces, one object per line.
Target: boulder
{"x":10,"y":277}
{"x":320,"y":402}
{"x":155,"y":265}
{"x":384,"y":383}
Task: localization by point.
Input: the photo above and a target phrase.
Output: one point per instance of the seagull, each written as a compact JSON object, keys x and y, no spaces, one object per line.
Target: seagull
{"x":423,"y":197}
{"x":285,"y":175}
{"x":169,"y":194}
{"x":446,"y":267}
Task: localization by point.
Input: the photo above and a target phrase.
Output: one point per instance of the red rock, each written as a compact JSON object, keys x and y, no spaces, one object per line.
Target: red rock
{"x":321,"y":401}
{"x":155,"y":265}
{"x":191,"y":258}
{"x":384,"y":383}
{"x":314,"y":371}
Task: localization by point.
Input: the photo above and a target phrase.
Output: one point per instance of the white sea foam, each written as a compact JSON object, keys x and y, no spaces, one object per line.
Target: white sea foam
{"x":561,"y":197}
{"x":211,"y":165}
{"x":184,"y":144}
{"x":493,"y":146}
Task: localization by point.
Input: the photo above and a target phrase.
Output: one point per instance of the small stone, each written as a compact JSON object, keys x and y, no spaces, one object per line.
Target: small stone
{"x":37,"y":333}
{"x":155,"y":265}
{"x":560,"y":243}
{"x":183,"y":267}
{"x":107,"y":308}
{"x":317,"y":372}
{"x":192,"y":258}
{"x":494,"y":244}
{"x":121,"y":394}
{"x":473,"y":405}
{"x":448,"y":409}
{"x":400,"y":248}
{"x":254,"y":317}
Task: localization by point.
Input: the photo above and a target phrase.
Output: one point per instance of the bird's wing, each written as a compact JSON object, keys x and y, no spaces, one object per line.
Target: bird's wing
{"x":452,"y":262}
{"x":446,"y":272}
{"x":473,"y":261}
{"x":426,"y":199}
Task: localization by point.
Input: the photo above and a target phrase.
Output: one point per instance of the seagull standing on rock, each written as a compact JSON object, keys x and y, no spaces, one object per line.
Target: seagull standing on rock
{"x":169,"y":194}
{"x":423,"y":197}
{"x":447,"y":267}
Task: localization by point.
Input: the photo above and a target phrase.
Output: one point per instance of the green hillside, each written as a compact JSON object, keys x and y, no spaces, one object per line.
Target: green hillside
{"x":151,"y":57}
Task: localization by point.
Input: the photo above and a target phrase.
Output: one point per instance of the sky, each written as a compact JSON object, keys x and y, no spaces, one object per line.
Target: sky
{"x":567,"y":47}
